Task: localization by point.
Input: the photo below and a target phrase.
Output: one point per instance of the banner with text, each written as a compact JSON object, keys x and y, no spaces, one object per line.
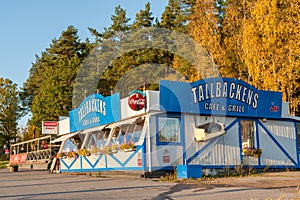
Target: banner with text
{"x":219,"y":96}
{"x":95,"y":110}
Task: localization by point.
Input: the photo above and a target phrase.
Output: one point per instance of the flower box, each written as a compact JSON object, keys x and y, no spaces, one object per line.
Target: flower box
{"x":251,"y":151}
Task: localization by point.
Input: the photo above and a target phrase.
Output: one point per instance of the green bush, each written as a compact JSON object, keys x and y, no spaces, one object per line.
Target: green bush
{"x":3,"y":164}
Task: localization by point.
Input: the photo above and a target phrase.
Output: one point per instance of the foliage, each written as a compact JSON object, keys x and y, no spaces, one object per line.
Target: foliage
{"x":256,"y":41}
{"x":83,"y":152}
{"x":251,"y":151}
{"x":72,"y":154}
{"x":10,"y":111}
{"x":48,"y":90}
{"x":61,"y":155}
{"x":13,"y":165}
{"x":128,"y":145}
{"x":95,"y":150}
{"x":3,"y":164}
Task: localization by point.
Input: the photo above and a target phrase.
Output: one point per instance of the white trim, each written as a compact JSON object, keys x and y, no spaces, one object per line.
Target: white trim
{"x":120,"y":123}
{"x":98,"y":128}
{"x":64,"y":137}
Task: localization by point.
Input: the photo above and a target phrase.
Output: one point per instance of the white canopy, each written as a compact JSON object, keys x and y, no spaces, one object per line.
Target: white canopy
{"x":120,"y":123}
{"x":98,"y":128}
{"x":65,"y":137}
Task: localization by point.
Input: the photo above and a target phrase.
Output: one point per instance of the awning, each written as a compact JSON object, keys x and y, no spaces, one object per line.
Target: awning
{"x":98,"y":128}
{"x":65,"y":137}
{"x":120,"y":123}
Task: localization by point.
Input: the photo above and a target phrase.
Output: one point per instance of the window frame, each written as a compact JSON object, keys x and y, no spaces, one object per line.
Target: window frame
{"x":251,"y":132}
{"x":298,"y":136}
{"x":180,"y":131}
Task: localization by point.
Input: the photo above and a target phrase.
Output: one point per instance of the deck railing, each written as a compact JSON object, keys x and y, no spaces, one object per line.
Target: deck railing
{"x":38,"y":149}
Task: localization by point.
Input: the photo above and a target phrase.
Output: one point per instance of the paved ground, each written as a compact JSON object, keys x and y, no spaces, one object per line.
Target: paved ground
{"x":27,"y":184}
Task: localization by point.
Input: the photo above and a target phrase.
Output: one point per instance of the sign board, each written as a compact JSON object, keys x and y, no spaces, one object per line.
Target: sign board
{"x":18,"y":158}
{"x":94,"y":111}
{"x":219,"y":96}
{"x":137,"y":100}
{"x":49,"y":127}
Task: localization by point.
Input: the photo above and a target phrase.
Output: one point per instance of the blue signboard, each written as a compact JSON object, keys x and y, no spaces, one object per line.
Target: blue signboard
{"x":219,"y":96}
{"x":95,"y":110}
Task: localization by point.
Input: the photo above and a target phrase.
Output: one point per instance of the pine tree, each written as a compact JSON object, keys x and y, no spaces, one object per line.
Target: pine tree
{"x":49,"y":89}
{"x":143,"y":18}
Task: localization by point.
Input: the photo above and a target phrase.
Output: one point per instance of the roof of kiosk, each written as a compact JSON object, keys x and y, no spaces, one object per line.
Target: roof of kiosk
{"x":212,"y":96}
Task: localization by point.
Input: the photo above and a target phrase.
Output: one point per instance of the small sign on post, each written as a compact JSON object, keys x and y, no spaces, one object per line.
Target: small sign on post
{"x":49,"y":127}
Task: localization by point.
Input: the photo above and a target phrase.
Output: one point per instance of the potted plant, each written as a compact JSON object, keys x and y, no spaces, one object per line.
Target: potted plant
{"x":13,"y":167}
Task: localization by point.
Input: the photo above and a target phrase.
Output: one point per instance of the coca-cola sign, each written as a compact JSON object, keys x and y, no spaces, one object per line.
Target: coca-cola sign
{"x":137,"y":100}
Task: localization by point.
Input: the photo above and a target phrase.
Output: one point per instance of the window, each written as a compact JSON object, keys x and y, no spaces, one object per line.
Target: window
{"x":97,"y":139}
{"x":69,"y":146}
{"x":247,"y":128}
{"x":169,"y":129}
{"x":128,"y":133}
{"x":298,"y":131}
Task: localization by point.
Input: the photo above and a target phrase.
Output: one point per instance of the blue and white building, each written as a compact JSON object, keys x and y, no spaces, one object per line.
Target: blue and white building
{"x":165,"y":127}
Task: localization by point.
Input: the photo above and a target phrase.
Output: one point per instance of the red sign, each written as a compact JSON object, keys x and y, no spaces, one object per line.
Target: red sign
{"x":274,"y":108}
{"x":137,"y":101}
{"x":166,"y":159}
{"x":18,"y":158}
{"x":50,"y":124}
{"x":139,"y":159}
{"x":49,"y":127}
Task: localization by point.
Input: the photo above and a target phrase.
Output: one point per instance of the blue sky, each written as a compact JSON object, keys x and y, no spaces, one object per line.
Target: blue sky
{"x":28,"y":27}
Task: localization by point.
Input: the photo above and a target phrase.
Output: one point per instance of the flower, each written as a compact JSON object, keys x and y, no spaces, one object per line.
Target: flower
{"x":251,"y":151}
{"x":95,"y":150}
{"x":72,"y":154}
{"x":128,"y":145}
{"x":61,"y":154}
{"x":107,"y":149}
{"x":83,"y":152}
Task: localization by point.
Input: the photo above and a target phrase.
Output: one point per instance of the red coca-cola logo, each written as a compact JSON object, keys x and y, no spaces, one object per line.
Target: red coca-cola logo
{"x":136,"y":101}
{"x":274,"y":108}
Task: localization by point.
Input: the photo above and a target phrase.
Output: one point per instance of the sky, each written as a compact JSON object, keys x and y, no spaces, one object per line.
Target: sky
{"x":28,"y":27}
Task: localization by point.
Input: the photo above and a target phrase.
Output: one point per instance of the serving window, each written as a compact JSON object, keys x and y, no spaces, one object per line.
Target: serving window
{"x":96,"y":139}
{"x":74,"y":143}
{"x":127,"y":133}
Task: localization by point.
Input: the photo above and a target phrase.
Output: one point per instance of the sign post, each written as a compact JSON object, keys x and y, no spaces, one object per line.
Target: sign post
{"x":49,"y":127}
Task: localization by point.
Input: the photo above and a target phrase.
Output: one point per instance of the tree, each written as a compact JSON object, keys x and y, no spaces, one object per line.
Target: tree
{"x":10,"y":111}
{"x":271,"y":48}
{"x":174,"y":17}
{"x":49,"y":89}
{"x":143,"y":18}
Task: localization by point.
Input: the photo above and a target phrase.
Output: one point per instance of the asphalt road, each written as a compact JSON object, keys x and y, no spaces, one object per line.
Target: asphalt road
{"x":29,"y":184}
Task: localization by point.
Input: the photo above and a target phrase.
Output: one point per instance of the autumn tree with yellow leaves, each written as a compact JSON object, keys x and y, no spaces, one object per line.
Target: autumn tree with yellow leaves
{"x":256,"y":41}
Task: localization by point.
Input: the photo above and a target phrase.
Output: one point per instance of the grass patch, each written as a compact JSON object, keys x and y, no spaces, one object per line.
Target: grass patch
{"x":3,"y":164}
